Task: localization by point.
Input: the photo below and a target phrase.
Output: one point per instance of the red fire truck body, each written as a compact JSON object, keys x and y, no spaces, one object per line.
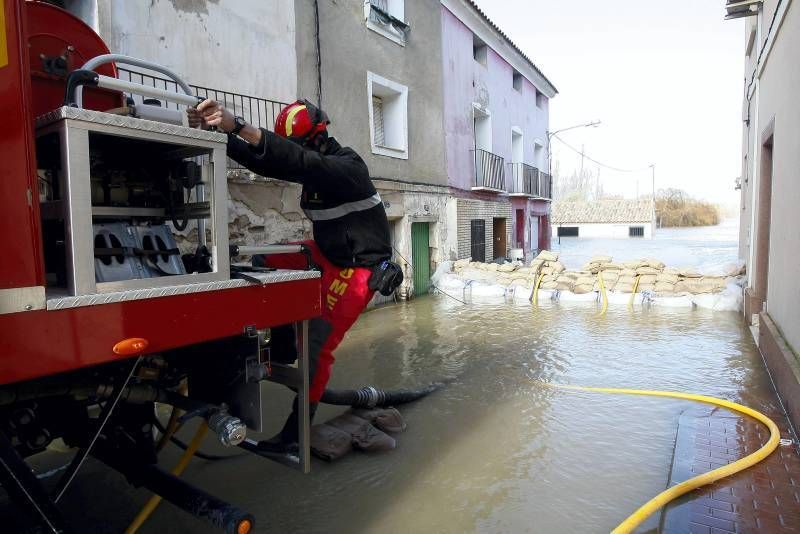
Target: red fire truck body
{"x":75,"y":334}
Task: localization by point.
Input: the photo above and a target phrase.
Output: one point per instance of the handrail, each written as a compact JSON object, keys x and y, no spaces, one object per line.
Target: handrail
{"x":489,"y":170}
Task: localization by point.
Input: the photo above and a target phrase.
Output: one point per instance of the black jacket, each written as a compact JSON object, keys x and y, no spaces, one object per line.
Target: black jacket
{"x":350,"y":224}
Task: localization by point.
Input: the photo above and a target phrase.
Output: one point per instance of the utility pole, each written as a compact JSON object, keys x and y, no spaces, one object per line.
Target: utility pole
{"x":653,"y":170}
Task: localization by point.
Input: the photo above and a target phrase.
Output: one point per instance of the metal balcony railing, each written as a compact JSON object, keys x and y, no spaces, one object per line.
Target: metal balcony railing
{"x":545,"y":186}
{"x":489,"y":171}
{"x":260,"y":112}
{"x":524,"y":179}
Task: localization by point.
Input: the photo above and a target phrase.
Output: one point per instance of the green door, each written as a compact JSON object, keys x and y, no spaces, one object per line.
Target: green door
{"x":420,"y":257}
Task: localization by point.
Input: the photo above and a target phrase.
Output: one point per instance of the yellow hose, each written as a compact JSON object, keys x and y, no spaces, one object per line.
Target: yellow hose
{"x":638,"y":517}
{"x":154,"y":501}
{"x":603,"y":292}
{"x":172,"y":424}
{"x":633,"y":293}
{"x":536,"y":289}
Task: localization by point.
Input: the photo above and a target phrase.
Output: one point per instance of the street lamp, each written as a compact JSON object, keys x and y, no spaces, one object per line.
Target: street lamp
{"x":550,"y":135}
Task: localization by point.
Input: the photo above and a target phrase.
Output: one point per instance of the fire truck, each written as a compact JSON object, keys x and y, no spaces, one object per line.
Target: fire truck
{"x":117,"y":287}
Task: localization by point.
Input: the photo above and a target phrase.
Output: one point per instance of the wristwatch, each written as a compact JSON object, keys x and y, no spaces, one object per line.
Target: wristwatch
{"x":238,"y":125}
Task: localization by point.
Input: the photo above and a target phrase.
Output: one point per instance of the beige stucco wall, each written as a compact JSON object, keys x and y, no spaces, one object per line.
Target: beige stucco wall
{"x":776,"y":99}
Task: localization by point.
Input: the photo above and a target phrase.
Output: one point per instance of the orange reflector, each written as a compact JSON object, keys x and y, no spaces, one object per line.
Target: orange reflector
{"x":244,"y":527}
{"x":131,"y":346}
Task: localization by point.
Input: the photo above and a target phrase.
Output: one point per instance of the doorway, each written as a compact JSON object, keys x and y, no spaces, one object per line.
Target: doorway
{"x":519,"y":225}
{"x":763,"y":221}
{"x":421,"y":257}
{"x":477,"y":240}
{"x":500,"y":248}
{"x":534,"y":235}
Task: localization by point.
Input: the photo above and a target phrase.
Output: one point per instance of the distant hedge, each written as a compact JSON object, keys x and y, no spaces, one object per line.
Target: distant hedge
{"x":675,"y":208}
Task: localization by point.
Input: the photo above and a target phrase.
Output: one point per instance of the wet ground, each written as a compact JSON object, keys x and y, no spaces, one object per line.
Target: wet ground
{"x":495,"y":451}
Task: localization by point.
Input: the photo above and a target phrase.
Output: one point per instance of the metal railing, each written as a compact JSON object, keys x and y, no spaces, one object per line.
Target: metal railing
{"x":545,"y":186}
{"x":260,"y":112}
{"x":489,"y":171}
{"x":524,"y":179}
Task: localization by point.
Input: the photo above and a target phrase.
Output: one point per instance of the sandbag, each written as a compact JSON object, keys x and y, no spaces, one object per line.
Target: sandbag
{"x":647,"y":270}
{"x":564,"y":286}
{"x":626,"y":280}
{"x":364,"y":436}
{"x":646,"y":287}
{"x":546,"y":270}
{"x":330,"y":443}
{"x":537,"y":264}
{"x":585,"y":280}
{"x":459,"y":264}
{"x":672,"y":271}
{"x":635,"y":264}
{"x":507,"y":268}
{"x":664,"y":287}
{"x":582,"y":289}
{"x":600,"y":259}
{"x":647,"y":279}
{"x":667,"y":278}
{"x":612,"y":267}
{"x":655,"y":264}
{"x":546,"y":255}
{"x":628,"y":272}
{"x":611,"y":275}
{"x":524,"y":270}
{"x":690,"y":273}
{"x":492,"y":267}
{"x":548,"y":285}
{"x":386,"y":419}
{"x":557,"y":267}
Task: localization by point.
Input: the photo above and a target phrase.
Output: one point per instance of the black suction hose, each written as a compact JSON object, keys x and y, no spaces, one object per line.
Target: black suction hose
{"x":370,"y":397}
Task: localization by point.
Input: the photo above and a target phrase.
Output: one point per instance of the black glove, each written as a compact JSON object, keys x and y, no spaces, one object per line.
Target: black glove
{"x":386,"y":277}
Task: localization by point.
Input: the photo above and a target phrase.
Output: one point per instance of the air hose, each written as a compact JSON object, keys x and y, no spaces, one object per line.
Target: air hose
{"x":670,"y":494}
{"x":370,"y":397}
{"x":536,"y":290}
{"x":633,"y":293}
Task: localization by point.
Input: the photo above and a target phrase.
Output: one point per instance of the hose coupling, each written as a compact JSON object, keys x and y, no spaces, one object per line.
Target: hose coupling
{"x":230,"y":430}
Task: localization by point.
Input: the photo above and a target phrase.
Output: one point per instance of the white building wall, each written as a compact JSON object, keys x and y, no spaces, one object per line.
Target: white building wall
{"x":241,"y":46}
{"x":605,"y":230}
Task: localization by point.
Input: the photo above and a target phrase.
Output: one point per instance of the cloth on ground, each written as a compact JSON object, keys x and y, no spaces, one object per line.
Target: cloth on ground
{"x":387,"y":419}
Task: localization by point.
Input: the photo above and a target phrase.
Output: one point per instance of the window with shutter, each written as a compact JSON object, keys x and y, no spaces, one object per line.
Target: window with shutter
{"x":377,"y":121}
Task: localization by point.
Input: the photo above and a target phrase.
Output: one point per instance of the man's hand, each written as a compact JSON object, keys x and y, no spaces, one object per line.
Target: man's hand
{"x":211,"y":113}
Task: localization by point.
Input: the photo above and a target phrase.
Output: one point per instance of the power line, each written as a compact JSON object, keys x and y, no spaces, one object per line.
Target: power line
{"x":610,"y":167}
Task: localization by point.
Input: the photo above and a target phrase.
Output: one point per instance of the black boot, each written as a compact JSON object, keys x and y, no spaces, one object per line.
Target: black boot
{"x":287,"y":440}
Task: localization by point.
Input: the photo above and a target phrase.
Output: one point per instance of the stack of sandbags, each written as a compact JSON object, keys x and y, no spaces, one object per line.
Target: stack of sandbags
{"x":666,"y":281}
{"x":596,"y":264}
{"x":547,"y":263}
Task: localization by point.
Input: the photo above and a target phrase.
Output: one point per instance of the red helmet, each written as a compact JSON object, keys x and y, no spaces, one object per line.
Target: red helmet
{"x":301,"y":122}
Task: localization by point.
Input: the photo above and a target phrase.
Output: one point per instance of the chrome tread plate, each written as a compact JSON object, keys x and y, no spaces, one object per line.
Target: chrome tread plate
{"x":110,"y":119}
{"x":274,"y":277}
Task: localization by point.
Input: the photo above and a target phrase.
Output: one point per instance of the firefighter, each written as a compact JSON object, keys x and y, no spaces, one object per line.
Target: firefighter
{"x":351,"y":232}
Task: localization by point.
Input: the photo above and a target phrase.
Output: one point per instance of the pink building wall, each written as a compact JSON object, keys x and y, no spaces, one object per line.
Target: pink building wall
{"x":466,"y":81}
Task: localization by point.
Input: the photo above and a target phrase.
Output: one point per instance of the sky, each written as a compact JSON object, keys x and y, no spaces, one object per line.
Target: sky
{"x":664,"y":78}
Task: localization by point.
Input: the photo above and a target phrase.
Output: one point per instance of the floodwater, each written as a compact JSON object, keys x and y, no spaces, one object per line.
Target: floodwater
{"x":495,"y":451}
{"x":677,"y":247}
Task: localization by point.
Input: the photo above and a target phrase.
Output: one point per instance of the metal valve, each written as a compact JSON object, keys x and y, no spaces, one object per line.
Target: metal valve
{"x":230,"y":430}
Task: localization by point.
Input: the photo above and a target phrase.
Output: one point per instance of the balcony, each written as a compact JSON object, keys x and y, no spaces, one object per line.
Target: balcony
{"x":528,"y":181}
{"x":489,"y":172}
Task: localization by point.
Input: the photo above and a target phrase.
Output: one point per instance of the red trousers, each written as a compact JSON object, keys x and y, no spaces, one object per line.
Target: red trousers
{"x":344,"y":296}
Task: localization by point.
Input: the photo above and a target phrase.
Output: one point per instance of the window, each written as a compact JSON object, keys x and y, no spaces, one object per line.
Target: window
{"x":479,"y":50}
{"x":636,"y":231}
{"x":567,"y":231}
{"x":387,"y":17}
{"x":541,"y":100}
{"x":388,"y":116}
{"x":516,"y":81}
{"x":482,"y":125}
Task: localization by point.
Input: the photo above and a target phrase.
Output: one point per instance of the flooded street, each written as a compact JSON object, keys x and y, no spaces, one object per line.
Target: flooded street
{"x":495,"y":451}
